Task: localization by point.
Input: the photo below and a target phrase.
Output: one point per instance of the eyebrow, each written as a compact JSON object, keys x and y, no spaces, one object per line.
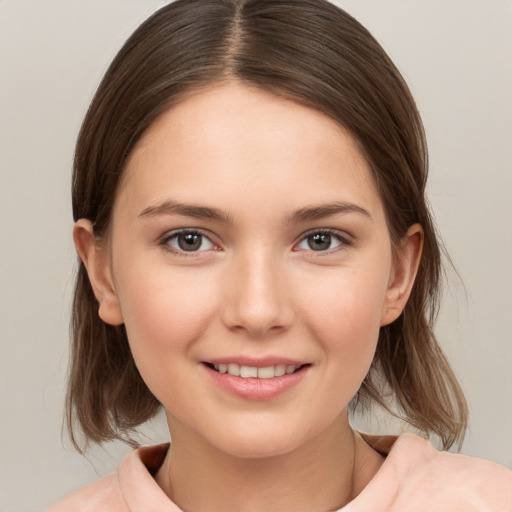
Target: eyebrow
{"x":170,"y":207}
{"x":326,"y":210}
{"x":174,"y":208}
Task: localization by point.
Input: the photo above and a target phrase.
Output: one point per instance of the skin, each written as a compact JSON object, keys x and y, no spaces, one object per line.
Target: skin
{"x":254,"y":288}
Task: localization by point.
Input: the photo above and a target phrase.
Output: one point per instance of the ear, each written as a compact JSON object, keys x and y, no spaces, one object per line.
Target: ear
{"x":94,"y":256}
{"x":403,"y":273}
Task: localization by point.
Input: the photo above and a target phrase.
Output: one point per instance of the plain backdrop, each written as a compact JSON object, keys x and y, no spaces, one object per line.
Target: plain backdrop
{"x":457,"y":58}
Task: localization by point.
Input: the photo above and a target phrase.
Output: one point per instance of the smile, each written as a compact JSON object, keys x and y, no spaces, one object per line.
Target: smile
{"x":246,"y":372}
{"x":269,"y":380}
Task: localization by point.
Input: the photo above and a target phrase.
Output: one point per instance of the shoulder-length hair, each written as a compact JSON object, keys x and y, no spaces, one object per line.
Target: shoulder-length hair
{"x":315,"y":54}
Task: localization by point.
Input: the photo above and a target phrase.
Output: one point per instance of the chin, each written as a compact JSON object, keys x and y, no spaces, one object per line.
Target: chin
{"x":258,"y":448}
{"x":260,"y":441}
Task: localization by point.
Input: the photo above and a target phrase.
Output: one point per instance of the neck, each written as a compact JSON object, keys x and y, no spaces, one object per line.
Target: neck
{"x":320,"y":475}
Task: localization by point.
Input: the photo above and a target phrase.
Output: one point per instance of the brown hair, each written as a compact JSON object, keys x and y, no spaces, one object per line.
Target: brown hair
{"x":313,"y":53}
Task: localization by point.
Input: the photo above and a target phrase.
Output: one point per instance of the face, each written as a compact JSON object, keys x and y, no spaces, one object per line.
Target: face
{"x":248,"y":237}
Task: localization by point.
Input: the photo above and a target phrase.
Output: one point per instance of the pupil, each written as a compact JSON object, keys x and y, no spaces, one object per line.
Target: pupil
{"x":319,"y":242}
{"x":189,"y":242}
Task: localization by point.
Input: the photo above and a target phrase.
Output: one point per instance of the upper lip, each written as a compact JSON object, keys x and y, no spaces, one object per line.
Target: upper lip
{"x":260,"y":362}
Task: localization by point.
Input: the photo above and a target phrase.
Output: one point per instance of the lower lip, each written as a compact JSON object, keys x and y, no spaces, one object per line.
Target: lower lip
{"x":256,"y":389}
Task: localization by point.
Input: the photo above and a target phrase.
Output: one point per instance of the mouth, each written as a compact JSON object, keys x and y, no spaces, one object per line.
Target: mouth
{"x":269,"y":379}
{"x":255,"y":372}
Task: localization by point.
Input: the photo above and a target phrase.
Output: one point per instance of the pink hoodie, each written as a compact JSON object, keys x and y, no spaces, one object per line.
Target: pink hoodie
{"x":415,"y":477}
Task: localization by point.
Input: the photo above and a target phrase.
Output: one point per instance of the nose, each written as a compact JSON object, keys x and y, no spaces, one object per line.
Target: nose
{"x":256,"y":299}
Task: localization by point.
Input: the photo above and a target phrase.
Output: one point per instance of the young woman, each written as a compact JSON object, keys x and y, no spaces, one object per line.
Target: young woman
{"x":257,"y":256}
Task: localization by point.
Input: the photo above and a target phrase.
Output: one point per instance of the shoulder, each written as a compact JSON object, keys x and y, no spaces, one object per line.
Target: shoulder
{"x":413,"y":452}
{"x":102,"y":496}
{"x":447,"y":481}
{"x":416,"y":477}
{"x":132,"y":487}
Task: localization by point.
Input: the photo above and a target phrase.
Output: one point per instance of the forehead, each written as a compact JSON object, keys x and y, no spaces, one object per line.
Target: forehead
{"x":232,"y":140}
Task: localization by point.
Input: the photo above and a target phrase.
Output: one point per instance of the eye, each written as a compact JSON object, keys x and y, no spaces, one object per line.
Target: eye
{"x":321,"y":241}
{"x":188,"y":241}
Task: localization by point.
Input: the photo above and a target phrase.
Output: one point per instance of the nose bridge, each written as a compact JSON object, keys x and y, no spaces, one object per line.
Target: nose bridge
{"x":257,"y":300}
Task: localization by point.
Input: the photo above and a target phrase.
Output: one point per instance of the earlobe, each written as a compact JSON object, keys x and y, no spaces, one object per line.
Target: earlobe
{"x":405,"y":268}
{"x":95,"y":258}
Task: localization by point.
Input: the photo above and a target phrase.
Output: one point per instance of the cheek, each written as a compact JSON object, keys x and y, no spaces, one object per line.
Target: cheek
{"x":344,"y":313}
{"x":164,"y":314}
{"x":348,"y":300}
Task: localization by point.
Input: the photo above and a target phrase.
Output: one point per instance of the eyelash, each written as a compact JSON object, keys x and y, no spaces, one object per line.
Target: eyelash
{"x":165,"y":241}
{"x":343,"y":239}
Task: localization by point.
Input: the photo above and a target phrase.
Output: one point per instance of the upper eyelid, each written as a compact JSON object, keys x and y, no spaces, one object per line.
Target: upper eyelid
{"x":331,"y":231}
{"x":345,"y":239}
{"x":173,"y":232}
{"x":164,"y":239}
{"x":343,"y":235}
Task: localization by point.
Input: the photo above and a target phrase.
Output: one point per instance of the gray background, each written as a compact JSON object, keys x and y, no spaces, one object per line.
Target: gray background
{"x":456,"y":56}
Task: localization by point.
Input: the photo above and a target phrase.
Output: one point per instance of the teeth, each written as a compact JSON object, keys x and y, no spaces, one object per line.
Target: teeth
{"x":248,"y":371}
{"x":268,"y":372}
{"x":234,"y":369}
{"x":280,"y":370}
